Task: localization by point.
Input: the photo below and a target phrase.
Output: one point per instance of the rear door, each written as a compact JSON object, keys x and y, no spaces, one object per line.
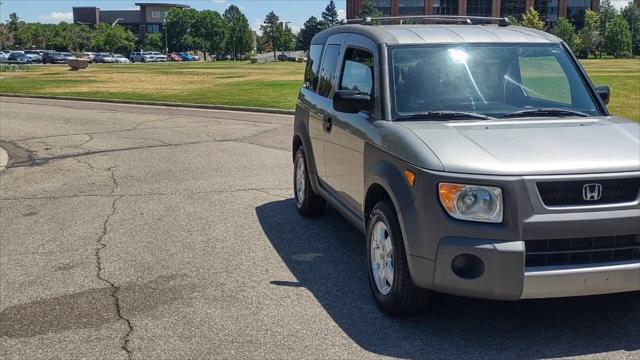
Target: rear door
{"x":319,"y":115}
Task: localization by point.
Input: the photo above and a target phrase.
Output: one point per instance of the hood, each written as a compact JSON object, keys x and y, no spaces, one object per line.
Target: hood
{"x":533,"y":146}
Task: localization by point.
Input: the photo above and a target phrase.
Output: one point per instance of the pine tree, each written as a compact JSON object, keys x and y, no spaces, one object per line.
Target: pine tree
{"x":566,"y":31}
{"x":605,"y":16}
{"x":270,"y":32}
{"x":617,"y":40}
{"x":368,"y":10}
{"x":311,"y":27}
{"x":531,"y":19}
{"x":631,"y":13}
{"x":330,"y":16}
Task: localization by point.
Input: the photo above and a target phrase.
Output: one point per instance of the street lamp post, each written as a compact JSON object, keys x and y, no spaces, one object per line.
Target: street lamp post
{"x":166,"y":43}
{"x":116,"y":22}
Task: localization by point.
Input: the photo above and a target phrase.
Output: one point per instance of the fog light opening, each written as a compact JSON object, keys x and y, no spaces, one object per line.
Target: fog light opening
{"x":467,"y":266}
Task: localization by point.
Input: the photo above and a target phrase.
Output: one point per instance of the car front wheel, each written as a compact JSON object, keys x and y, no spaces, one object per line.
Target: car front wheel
{"x":307,"y":202}
{"x":389,"y":277}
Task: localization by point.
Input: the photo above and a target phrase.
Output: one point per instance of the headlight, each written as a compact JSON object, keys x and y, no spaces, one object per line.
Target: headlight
{"x":472,"y":202}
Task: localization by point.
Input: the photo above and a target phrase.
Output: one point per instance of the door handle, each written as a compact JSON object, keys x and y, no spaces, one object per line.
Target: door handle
{"x":328,"y":123}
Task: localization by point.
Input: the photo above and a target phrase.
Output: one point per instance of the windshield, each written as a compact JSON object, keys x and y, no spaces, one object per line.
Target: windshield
{"x":492,"y":80}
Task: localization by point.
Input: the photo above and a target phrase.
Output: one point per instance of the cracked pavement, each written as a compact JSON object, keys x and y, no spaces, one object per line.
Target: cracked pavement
{"x":149,"y":232}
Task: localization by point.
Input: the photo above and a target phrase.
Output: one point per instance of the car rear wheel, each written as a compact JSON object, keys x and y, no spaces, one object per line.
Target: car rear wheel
{"x":307,"y":202}
{"x":389,"y":277}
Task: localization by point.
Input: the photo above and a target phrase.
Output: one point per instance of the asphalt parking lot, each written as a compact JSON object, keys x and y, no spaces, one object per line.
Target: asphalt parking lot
{"x":148,"y":232}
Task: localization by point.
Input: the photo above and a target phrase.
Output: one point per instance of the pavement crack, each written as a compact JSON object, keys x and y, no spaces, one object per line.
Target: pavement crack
{"x":115,"y":290}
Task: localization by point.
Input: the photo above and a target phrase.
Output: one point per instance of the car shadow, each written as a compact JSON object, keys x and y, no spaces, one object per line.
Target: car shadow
{"x":327,"y":256}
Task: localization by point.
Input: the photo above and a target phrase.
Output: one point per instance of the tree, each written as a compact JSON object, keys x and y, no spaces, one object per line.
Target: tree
{"x":154,"y":42}
{"x":531,"y":19}
{"x":239,"y":35}
{"x":210,"y":32}
{"x":180,"y":29}
{"x":588,"y":37}
{"x":605,"y":15}
{"x":6,"y":37}
{"x":115,"y":39}
{"x":14,"y":23}
{"x":270,"y":31}
{"x":566,"y":31}
{"x":368,"y":10}
{"x":310,"y":28}
{"x":617,"y":40}
{"x":631,"y":13}
{"x":330,"y":16}
{"x":284,"y":37}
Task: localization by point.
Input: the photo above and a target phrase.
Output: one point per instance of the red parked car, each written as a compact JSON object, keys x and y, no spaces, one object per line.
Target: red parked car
{"x":174,"y":57}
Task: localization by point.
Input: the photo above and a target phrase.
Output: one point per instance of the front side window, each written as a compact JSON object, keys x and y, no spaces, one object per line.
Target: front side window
{"x":328,"y":70}
{"x":357,"y":72}
{"x":492,"y":80}
{"x":313,"y":65}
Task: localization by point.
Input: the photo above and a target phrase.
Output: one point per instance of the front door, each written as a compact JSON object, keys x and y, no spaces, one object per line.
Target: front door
{"x":344,"y":144}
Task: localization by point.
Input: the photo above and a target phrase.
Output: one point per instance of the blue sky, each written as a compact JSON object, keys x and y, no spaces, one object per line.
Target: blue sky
{"x":54,"y":11}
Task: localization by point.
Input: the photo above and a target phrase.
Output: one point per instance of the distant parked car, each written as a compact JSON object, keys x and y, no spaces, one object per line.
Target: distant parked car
{"x":34,"y":55}
{"x":4,"y":56}
{"x":56,"y":57}
{"x":89,"y":56}
{"x":119,"y":59}
{"x":158,"y":56}
{"x":142,"y":56}
{"x":186,"y":56}
{"x":285,"y":57}
{"x":104,"y":57}
{"x":174,"y":57}
{"x":18,"y":57}
{"x":195,"y":57}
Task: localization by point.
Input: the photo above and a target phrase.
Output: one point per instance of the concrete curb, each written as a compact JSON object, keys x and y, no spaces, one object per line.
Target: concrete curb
{"x":158,"y":103}
{"x":4,"y":159}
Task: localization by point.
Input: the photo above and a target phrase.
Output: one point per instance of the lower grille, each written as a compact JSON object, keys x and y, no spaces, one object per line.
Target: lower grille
{"x":578,"y":251}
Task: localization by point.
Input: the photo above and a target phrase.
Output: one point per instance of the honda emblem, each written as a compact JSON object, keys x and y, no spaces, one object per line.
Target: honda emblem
{"x":592,"y":192}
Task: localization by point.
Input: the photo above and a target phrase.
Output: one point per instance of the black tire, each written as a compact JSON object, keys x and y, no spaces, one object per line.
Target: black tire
{"x":310,"y":204}
{"x":404,"y":297}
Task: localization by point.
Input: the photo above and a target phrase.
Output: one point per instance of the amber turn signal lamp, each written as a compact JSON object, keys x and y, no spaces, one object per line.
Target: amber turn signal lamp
{"x":448,"y":194}
{"x":410,"y":176}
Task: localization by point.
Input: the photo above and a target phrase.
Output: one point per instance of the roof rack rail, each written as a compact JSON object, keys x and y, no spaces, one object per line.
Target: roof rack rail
{"x":502,"y":21}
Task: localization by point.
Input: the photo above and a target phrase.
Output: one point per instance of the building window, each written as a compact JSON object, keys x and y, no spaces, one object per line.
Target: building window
{"x":384,"y":6}
{"x":479,"y":7}
{"x":512,"y":8}
{"x":548,"y":10}
{"x":153,"y":29}
{"x":445,"y":7}
{"x":411,"y":7}
{"x":576,"y":10}
{"x":156,"y":14}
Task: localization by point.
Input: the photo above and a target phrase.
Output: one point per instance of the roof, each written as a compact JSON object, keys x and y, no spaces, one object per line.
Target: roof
{"x":438,"y":34}
{"x":164,"y":5}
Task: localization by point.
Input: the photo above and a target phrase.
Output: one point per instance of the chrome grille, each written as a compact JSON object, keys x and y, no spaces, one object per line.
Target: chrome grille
{"x":591,"y":250}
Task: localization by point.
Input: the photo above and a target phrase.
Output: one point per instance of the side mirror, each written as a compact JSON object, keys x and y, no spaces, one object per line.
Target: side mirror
{"x":351,"y":101}
{"x":604,"y":92}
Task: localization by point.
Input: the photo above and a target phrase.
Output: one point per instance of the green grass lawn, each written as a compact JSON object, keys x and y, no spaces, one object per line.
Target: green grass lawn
{"x":273,"y":85}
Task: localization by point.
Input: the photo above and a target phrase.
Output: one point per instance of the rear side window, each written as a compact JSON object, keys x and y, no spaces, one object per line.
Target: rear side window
{"x":357,"y":73}
{"x":328,"y":69}
{"x":313,"y":65}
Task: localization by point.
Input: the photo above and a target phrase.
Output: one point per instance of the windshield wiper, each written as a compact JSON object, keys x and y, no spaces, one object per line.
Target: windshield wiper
{"x":545,"y":112}
{"x":443,"y":115}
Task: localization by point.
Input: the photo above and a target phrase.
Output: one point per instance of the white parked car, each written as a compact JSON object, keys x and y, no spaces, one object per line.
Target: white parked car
{"x":120,"y":59}
{"x":142,"y":56}
{"x":4,"y":56}
{"x":158,"y":56}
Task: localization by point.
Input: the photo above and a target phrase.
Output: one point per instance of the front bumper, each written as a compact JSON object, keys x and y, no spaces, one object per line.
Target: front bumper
{"x":504,"y":275}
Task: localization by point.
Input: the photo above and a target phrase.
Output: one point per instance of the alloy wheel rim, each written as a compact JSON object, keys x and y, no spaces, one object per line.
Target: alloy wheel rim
{"x":382,"y":258}
{"x":300,"y":180}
